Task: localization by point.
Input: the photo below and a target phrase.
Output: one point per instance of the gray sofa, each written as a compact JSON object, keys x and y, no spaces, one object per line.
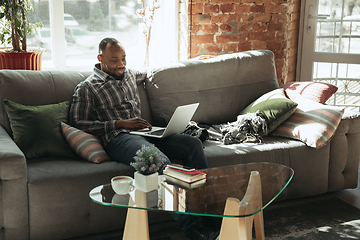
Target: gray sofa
{"x":47,"y":198}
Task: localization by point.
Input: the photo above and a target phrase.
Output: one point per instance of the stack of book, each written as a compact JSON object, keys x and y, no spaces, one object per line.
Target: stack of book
{"x":184,"y":178}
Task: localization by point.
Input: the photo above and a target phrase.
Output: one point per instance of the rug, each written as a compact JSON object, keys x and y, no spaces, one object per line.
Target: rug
{"x":321,"y":220}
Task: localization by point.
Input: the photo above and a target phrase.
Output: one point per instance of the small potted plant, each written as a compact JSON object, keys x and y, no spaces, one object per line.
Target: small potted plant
{"x":14,"y":26}
{"x":148,"y":161}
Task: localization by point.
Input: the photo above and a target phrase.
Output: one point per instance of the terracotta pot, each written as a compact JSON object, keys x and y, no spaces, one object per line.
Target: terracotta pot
{"x":17,"y":61}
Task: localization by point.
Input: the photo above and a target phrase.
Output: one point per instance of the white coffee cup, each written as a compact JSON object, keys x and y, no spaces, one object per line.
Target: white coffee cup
{"x":122,"y":184}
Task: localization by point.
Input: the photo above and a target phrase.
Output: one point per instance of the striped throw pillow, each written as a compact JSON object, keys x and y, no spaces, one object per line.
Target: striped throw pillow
{"x":312,"y":123}
{"x":84,"y":144}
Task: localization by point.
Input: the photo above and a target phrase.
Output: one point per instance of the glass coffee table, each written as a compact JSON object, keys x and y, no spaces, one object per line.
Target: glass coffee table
{"x":236,"y":193}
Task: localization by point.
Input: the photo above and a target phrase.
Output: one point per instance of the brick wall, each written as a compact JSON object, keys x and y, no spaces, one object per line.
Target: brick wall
{"x":228,"y":26}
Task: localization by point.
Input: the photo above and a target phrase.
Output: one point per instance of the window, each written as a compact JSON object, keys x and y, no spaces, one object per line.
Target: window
{"x":330,"y":49}
{"x":73,"y":29}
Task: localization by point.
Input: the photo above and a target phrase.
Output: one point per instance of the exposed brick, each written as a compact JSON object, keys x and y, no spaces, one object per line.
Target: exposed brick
{"x":279,"y":62}
{"x":244,"y":26}
{"x":246,"y":17}
{"x":259,"y":44}
{"x":258,"y":9}
{"x":201,"y":18}
{"x":292,"y":63}
{"x":280,"y":36}
{"x":196,"y":28}
{"x":213,"y":48}
{"x":291,"y":77}
{"x":261,"y":36}
{"x":200,"y":1}
{"x":242,"y":8}
{"x":257,"y":27}
{"x":274,"y":2}
{"x":274,"y":9}
{"x":293,"y":52}
{"x":278,"y":18}
{"x":224,"y":18}
{"x":221,"y":1}
{"x":294,"y":8}
{"x":262,"y":17}
{"x":197,"y":8}
{"x":279,"y":54}
{"x":198,"y":39}
{"x":251,"y":1}
{"x":294,"y":25}
{"x":226,"y":28}
{"x":295,"y":16}
{"x":230,"y":47}
{"x":248,"y":24}
{"x":294,"y":34}
{"x":227,"y":8}
{"x":211,"y":8}
{"x":274,"y":45}
{"x":210,"y":28}
{"x":275,"y":26}
{"x":294,"y":43}
{"x":225,"y":38}
{"x":195,"y":49}
{"x":244,"y":46}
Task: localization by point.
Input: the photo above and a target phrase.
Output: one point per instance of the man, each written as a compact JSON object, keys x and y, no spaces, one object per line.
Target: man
{"x":107,"y":104}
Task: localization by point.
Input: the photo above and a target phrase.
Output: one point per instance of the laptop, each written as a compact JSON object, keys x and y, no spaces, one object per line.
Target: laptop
{"x":177,"y":124}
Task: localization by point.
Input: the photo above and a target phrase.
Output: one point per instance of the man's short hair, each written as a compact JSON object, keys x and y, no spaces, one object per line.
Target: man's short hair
{"x":105,"y":42}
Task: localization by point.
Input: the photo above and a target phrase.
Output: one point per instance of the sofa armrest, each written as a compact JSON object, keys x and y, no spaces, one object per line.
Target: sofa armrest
{"x":13,"y":190}
{"x":345,"y":153}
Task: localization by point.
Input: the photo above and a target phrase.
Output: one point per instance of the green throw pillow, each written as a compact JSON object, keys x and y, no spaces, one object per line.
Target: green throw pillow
{"x":275,"y":106}
{"x":37,"y":130}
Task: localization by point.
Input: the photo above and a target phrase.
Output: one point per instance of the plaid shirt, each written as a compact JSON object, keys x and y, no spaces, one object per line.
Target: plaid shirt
{"x":100,"y":100}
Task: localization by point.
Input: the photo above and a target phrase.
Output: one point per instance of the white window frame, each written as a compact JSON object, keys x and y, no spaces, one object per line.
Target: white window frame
{"x":57,"y":33}
{"x":306,"y":50}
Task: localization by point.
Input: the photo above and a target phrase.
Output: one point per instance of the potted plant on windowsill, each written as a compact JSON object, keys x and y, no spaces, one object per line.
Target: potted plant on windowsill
{"x":14,"y":26}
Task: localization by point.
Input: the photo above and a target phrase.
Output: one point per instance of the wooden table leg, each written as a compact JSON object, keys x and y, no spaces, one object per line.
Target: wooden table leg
{"x":240,"y":228}
{"x":137,"y":224}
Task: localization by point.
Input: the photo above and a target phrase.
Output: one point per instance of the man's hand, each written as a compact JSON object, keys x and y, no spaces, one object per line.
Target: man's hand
{"x":133,"y":123}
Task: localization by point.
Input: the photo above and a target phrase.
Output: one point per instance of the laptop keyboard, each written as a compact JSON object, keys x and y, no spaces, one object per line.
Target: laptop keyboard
{"x":157,"y":132}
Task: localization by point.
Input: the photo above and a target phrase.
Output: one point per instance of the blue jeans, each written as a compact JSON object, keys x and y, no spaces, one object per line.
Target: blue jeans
{"x":179,"y":147}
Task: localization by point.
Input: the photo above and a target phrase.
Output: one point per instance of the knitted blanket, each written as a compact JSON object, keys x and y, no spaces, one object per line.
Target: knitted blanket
{"x":244,"y":130}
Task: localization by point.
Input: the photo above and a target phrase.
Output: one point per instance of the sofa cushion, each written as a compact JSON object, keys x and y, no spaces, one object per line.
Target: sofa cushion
{"x":310,"y":164}
{"x":317,"y":91}
{"x":312,"y":123}
{"x":84,"y":144}
{"x":36,"y":129}
{"x":275,"y":107}
{"x":58,"y":190}
{"x":223,"y":85}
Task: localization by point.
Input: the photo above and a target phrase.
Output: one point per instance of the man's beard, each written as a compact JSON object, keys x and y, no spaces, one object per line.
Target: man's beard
{"x":120,"y":77}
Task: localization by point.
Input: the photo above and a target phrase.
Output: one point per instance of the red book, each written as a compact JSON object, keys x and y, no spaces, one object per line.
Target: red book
{"x":184,"y":175}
